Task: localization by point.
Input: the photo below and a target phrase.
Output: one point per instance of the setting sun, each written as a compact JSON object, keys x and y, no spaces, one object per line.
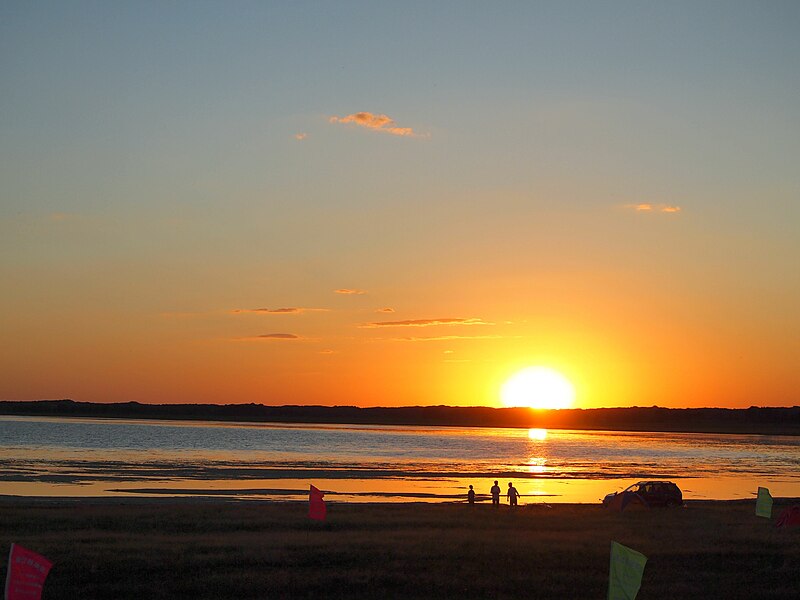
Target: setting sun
{"x":538,"y":387}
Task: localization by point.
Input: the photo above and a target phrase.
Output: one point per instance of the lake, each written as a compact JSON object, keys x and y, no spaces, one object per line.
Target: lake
{"x":358,"y":463}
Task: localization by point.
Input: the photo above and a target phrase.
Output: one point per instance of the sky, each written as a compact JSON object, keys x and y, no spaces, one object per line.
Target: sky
{"x":394,"y":204}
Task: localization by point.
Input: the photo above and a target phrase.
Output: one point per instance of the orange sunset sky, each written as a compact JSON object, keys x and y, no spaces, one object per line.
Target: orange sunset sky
{"x":390,"y":205}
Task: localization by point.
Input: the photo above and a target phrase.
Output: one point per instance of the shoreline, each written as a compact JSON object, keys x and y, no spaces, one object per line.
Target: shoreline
{"x":745,"y":421}
{"x":18,"y":500}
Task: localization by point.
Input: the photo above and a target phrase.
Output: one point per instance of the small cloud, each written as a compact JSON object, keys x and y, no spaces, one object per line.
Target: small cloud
{"x":647,"y":207}
{"x":327,"y":351}
{"x":385,"y":310}
{"x":445,"y":338}
{"x":349,"y":292}
{"x":59,"y":216}
{"x":426,"y":323}
{"x":276,"y":336}
{"x":292,"y":310}
{"x":376,"y":123}
{"x":300,"y":136}
{"x":447,"y":352}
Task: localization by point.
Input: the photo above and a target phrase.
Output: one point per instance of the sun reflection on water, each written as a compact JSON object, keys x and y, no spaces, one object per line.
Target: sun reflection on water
{"x":537,"y":434}
{"x":361,"y":463}
{"x":537,"y":464}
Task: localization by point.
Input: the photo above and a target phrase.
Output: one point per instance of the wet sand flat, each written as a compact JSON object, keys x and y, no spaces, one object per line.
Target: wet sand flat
{"x":189,"y":548}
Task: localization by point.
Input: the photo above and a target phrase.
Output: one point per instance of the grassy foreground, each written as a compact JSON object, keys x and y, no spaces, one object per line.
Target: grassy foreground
{"x":196,"y":549}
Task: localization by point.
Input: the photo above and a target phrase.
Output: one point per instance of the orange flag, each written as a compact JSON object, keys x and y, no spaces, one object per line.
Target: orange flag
{"x":316,"y":505}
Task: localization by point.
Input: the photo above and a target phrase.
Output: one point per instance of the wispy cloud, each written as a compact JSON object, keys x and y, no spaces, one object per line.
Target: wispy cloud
{"x":445,"y":338}
{"x":375,"y":122}
{"x":647,"y":207}
{"x":426,"y":323}
{"x":291,"y":310}
{"x":275,"y":336}
{"x":385,"y":310}
{"x":349,"y":292}
{"x":300,"y":136}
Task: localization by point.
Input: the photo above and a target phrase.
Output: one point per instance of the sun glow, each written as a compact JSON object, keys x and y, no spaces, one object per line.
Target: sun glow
{"x":538,"y":387}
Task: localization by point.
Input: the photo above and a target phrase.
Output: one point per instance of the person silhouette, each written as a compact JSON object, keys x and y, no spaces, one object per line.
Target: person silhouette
{"x":512,"y":494}
{"x":495,"y":494}
{"x":471,"y":495}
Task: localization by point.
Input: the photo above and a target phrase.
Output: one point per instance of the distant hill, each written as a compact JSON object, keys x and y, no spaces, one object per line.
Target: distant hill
{"x":775,"y":421}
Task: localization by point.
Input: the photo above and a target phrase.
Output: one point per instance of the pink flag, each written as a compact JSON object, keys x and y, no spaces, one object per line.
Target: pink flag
{"x":789,"y":517}
{"x":26,"y":574}
{"x":316,"y":505}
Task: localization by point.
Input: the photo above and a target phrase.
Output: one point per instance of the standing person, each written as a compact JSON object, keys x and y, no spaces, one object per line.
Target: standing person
{"x":471,"y":495}
{"x":512,"y":494}
{"x":495,"y":494}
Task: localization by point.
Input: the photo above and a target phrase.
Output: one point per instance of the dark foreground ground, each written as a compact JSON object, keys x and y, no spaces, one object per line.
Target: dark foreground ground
{"x":196,"y":549}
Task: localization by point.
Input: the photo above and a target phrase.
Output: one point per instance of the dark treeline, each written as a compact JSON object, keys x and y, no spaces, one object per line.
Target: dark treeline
{"x":779,"y":421}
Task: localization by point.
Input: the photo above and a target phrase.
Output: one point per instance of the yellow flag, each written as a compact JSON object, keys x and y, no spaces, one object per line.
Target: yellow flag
{"x":764,"y":503}
{"x":625,"y":576}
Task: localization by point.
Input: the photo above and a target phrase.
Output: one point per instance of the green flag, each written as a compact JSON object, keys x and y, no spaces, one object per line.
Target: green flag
{"x":625,"y":576}
{"x":764,"y":503}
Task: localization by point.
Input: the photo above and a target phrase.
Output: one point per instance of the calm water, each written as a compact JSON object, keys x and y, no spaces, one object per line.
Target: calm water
{"x":95,"y":457}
